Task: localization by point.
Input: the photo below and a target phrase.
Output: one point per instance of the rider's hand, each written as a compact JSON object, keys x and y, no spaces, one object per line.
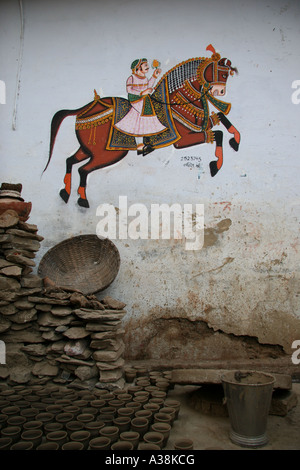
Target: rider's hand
{"x":147,"y":91}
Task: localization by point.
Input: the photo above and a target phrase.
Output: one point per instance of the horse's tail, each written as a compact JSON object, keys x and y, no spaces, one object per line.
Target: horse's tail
{"x":55,"y":125}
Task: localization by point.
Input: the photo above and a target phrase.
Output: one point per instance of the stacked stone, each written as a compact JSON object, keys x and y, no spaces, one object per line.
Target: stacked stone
{"x":51,"y":333}
{"x":19,"y":243}
{"x":83,"y":339}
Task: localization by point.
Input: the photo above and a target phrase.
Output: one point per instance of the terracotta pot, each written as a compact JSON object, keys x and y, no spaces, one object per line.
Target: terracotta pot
{"x":107,"y":396}
{"x":134,"y":388}
{"x":145,"y":414}
{"x":45,"y":417}
{"x":73,"y":446}
{"x":80,"y":403}
{"x":86,"y":395}
{"x":183,"y":444}
{"x":130,"y":375}
{"x":81,"y":436}
{"x":134,"y":405}
{"x":112,"y":432}
{"x":173,"y":404}
{"x":131,"y":436}
{"x":12,"y":432}
{"x":148,"y":446}
{"x":4,"y":403}
{"x":90,"y":410}
{"x":29,"y":413}
{"x":140,"y":425}
{"x":153,"y":407}
{"x":75,"y":410}
{"x":22,"y":445}
{"x":5,"y":443}
{"x":123,"y":423}
{"x":64,"y":418}
{"x":6,"y":393}
{"x":141,"y":399}
{"x":33,"y":424}
{"x":48,"y":446}
{"x":33,"y":435}
{"x":11,"y":410}
{"x":154,"y":438}
{"x":116,"y":403}
{"x":54,"y":409}
{"x":98,"y":404}
{"x":63,"y":402}
{"x":108,"y":410}
{"x":141,"y":371}
{"x":14,"y":398}
{"x":122,"y":445}
{"x":47,"y":401}
{"x":32,"y":399}
{"x":3,"y":420}
{"x":25,"y":391}
{"x":158,"y":401}
{"x":19,"y":388}
{"x":40,"y":406}
{"x":99,"y":392}
{"x":151,"y":388}
{"x":16,"y":421}
{"x":22,"y":404}
{"x":164,"y":429}
{"x":100,"y":443}
{"x":85,"y":418}
{"x":129,"y":412}
{"x":162,"y":418}
{"x":143,"y":383}
{"x":169,"y":411}
{"x":60,"y":437}
{"x":159,"y":394}
{"x":72,"y":426}
{"x":126,"y":397}
{"x":51,"y":427}
{"x":106,"y":418}
{"x":94,"y":428}
{"x":142,"y":393}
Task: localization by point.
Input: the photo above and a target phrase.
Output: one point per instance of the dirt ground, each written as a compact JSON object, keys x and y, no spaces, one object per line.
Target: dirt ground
{"x":212,"y":432}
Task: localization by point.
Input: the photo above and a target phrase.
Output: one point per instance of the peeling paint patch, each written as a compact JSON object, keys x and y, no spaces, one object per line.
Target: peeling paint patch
{"x":177,"y":338}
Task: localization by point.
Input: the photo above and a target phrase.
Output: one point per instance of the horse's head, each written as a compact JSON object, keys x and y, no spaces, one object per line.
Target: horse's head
{"x":213,"y":72}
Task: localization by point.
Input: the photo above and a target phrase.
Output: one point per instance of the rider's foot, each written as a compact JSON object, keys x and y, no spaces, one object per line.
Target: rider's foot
{"x":145,"y":149}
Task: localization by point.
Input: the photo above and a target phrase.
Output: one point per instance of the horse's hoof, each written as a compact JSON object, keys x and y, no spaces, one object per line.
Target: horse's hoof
{"x":83,"y":202}
{"x":64,"y":195}
{"x":233,"y":143}
{"x":213,"y":168}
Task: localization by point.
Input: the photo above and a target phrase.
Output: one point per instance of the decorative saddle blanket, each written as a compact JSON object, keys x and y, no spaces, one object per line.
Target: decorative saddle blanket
{"x":159,"y":99}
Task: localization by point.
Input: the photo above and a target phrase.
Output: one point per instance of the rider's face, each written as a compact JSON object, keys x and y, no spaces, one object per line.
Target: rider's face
{"x":144,"y":68}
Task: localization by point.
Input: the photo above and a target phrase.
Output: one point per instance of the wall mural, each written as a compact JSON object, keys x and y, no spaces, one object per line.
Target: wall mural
{"x":175,"y":112}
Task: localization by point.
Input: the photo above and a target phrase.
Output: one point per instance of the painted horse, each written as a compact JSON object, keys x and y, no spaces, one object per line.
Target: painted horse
{"x":181,"y":102}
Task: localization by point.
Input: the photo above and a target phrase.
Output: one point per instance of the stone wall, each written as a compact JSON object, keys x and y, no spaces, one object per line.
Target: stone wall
{"x":50,"y":333}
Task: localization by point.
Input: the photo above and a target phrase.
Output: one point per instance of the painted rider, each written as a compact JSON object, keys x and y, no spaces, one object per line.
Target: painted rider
{"x":141,"y":121}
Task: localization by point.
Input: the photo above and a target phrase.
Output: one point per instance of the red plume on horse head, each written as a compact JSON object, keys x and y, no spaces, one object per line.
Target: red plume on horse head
{"x":211,"y":48}
{"x":224,"y":61}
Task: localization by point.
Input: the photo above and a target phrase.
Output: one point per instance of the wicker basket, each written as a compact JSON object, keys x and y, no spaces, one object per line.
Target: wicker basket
{"x":86,"y":263}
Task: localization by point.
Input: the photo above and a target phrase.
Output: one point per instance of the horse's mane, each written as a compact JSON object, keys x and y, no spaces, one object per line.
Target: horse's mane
{"x":184,"y":71}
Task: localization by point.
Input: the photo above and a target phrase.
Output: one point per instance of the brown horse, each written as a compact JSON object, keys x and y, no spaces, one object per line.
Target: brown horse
{"x":184,"y":105}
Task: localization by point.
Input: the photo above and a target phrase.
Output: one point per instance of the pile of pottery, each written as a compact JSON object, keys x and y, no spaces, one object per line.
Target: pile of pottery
{"x":53,"y":417}
{"x":50,"y":333}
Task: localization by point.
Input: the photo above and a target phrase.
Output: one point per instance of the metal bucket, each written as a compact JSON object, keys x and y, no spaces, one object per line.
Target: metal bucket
{"x":248,"y":396}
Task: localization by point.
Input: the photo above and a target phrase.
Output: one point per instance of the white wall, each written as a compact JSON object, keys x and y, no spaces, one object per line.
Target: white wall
{"x":245,"y":280}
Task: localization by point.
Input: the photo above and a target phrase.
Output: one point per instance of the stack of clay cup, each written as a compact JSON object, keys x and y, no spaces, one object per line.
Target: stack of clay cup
{"x":54,"y":417}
